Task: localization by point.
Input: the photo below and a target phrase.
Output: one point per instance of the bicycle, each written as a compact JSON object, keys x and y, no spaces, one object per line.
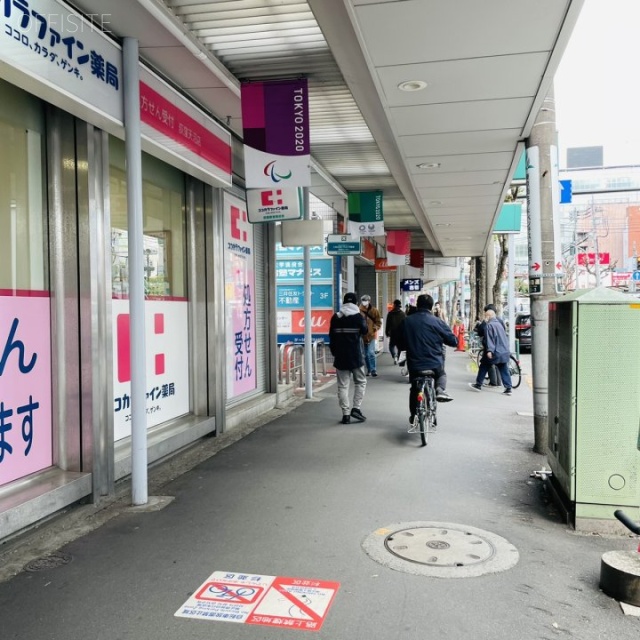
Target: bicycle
{"x":425,"y":419}
{"x":514,"y":369}
{"x":475,"y":344}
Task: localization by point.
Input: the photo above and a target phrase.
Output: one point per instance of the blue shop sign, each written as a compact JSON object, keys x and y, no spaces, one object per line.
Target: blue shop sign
{"x":292,"y":296}
{"x":292,"y":270}
{"x":411,"y":284}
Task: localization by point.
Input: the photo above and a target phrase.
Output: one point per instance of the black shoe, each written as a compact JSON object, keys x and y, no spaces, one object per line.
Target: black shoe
{"x":506,"y":392}
{"x":374,"y":374}
{"x":357,"y":415}
{"x":443,"y":396}
{"x":475,"y":386}
{"x":346,"y":419}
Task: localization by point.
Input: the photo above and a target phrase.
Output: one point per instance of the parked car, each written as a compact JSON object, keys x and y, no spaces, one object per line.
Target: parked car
{"x":523,"y":330}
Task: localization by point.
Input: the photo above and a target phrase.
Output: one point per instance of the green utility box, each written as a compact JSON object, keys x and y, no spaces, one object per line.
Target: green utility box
{"x":594,"y":406}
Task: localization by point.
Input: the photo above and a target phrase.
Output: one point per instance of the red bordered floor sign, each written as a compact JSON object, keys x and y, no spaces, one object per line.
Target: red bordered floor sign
{"x":294,"y":603}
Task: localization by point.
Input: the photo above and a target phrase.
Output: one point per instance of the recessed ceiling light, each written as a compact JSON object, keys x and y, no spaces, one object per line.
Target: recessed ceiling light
{"x":428,"y":165}
{"x":443,"y":224}
{"x":435,"y":203}
{"x":412,"y":85}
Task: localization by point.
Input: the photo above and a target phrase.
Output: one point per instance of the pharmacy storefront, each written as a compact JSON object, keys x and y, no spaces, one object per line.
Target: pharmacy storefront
{"x":65,"y":371}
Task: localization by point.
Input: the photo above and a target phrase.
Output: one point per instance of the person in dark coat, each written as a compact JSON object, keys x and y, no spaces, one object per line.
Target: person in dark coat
{"x":496,"y":352}
{"x":394,"y":320}
{"x":347,"y":329}
{"x":422,"y":336}
{"x":484,"y":361}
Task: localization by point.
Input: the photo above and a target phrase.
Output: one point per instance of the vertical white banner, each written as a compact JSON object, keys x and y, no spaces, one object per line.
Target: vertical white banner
{"x":240,"y":297}
{"x":533,"y":220}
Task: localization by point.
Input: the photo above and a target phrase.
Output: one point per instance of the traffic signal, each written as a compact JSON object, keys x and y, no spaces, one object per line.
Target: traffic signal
{"x":637,"y":264}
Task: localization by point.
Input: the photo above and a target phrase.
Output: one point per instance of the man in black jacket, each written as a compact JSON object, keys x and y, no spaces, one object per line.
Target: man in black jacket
{"x":395,"y":318}
{"x":347,"y":329}
{"x":422,"y":335}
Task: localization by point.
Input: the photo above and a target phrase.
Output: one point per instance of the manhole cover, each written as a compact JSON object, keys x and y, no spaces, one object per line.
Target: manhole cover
{"x":49,"y":562}
{"x":440,"y":549}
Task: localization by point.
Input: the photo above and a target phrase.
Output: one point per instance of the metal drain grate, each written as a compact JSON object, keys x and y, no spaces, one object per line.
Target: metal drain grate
{"x":440,"y":549}
{"x":49,"y":562}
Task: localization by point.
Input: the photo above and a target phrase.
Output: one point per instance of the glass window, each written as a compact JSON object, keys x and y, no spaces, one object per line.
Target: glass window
{"x":22,"y":220}
{"x":163,"y":210}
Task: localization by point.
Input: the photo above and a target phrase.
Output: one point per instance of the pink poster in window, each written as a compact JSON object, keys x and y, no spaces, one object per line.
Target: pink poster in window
{"x":25,"y":384}
{"x":240,"y":298}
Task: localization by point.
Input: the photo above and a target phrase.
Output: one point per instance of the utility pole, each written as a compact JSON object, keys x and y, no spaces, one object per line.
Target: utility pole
{"x":544,"y":271}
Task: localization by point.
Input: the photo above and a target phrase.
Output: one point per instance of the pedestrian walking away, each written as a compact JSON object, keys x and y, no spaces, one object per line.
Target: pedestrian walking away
{"x":346,"y":332}
{"x":479,"y":329}
{"x":496,"y":352}
{"x":422,"y":336}
{"x":374,"y":322}
{"x":394,"y":320}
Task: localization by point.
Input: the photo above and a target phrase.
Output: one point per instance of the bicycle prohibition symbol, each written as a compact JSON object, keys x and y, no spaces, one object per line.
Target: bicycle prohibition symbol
{"x":425,"y":419}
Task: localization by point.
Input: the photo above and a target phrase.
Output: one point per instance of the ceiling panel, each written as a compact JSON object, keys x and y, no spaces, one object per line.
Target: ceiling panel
{"x":460,"y":116}
{"x":460,"y":178}
{"x":461,"y":142}
{"x":487,"y":66}
{"x":509,"y":76}
{"x":462,"y":162}
{"x":455,"y":30}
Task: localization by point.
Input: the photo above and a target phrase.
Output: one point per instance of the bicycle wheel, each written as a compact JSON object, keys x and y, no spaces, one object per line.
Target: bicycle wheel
{"x":423,"y":427}
{"x":514,"y":372}
{"x":432,"y":408}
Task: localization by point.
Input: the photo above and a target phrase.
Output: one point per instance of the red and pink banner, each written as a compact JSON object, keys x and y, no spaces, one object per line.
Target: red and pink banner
{"x":398,"y":247}
{"x":25,"y":384}
{"x":275,"y":123}
{"x":176,"y":127}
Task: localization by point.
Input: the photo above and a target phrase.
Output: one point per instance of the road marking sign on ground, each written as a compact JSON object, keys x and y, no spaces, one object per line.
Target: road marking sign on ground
{"x":295,"y":603}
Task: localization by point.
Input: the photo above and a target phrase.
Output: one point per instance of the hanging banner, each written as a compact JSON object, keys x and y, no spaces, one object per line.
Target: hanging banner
{"x":365,"y":213}
{"x":275,"y":121}
{"x":267,"y":205}
{"x":416,"y":258}
{"x":398,"y":247}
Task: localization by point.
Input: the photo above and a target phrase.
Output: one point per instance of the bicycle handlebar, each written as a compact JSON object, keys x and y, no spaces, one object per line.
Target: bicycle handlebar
{"x":627,"y":521}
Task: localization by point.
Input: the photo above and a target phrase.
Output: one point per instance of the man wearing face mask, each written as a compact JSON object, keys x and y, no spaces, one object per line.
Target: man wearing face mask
{"x":374,"y":322}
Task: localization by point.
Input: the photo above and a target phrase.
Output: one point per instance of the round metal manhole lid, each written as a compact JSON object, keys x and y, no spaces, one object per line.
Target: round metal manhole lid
{"x":49,"y":562}
{"x":440,"y":549}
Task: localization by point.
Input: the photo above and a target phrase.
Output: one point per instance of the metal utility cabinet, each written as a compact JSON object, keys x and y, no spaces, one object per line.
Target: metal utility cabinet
{"x":594,"y":406}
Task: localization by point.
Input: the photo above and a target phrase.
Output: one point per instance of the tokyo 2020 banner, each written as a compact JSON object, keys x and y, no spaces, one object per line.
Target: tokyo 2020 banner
{"x":275,"y":122}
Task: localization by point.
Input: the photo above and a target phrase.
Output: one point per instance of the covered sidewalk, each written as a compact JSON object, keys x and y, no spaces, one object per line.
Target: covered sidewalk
{"x":303,"y":496}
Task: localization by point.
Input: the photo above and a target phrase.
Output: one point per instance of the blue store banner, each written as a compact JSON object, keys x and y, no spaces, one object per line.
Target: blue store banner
{"x":293,"y":270}
{"x":291,"y":296}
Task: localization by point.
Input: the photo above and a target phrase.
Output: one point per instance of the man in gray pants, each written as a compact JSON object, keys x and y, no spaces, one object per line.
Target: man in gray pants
{"x":348,"y":326}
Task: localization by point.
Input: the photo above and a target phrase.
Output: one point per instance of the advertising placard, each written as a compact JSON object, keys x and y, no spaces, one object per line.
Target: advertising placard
{"x":240,"y":311}
{"x":26,"y":440}
{"x":167,"y":370}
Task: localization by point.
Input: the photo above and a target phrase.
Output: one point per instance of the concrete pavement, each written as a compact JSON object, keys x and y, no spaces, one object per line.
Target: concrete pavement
{"x":298,"y":497}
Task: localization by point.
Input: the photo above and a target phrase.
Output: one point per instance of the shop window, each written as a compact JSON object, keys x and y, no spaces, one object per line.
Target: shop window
{"x":163,"y":227}
{"x":22,"y":241}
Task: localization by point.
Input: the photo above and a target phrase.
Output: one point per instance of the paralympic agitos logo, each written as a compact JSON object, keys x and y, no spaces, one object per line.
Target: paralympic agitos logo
{"x":270,"y":171}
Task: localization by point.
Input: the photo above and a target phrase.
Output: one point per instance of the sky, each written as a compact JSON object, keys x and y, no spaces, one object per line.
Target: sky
{"x":597,"y":85}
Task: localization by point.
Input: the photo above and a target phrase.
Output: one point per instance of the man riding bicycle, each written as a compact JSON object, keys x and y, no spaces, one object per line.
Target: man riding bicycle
{"x":422,"y":336}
